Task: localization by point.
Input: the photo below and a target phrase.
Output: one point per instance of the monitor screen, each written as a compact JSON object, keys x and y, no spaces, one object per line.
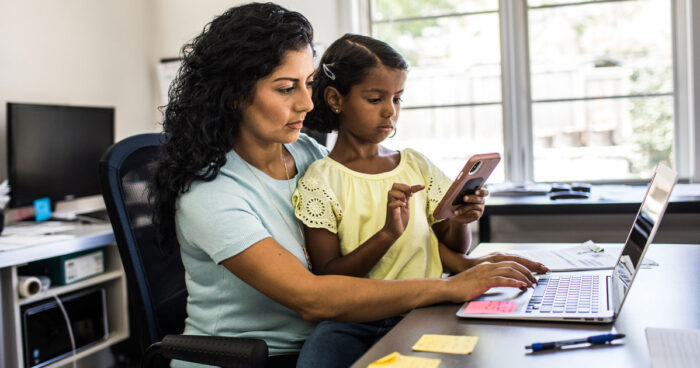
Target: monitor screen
{"x":53,"y":151}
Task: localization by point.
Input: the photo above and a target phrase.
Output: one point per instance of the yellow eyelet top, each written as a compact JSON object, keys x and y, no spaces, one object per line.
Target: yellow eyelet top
{"x":353,"y":205}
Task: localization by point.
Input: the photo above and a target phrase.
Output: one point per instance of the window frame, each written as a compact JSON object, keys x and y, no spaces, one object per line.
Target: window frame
{"x":517,"y":102}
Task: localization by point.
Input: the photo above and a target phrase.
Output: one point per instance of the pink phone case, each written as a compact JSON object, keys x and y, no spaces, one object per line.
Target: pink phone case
{"x":472,"y":177}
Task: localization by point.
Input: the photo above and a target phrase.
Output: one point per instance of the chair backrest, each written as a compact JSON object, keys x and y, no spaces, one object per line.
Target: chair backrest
{"x":156,"y":279}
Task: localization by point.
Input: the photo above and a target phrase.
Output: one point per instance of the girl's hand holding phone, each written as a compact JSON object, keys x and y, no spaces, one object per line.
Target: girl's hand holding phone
{"x":466,"y":194}
{"x":473,"y":207}
{"x":398,"y":207}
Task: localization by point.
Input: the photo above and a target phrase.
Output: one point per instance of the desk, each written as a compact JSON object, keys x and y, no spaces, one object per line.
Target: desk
{"x":604,"y":199}
{"x":87,"y":236}
{"x":663,"y":296}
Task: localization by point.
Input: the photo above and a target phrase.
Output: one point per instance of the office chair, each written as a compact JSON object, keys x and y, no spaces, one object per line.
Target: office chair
{"x":156,"y":279}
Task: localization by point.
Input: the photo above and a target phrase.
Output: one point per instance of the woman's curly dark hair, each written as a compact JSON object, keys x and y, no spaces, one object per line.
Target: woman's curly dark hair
{"x":349,"y":59}
{"x":219,"y":70}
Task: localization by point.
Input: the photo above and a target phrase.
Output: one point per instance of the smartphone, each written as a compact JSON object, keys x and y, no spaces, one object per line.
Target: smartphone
{"x":471,"y":178}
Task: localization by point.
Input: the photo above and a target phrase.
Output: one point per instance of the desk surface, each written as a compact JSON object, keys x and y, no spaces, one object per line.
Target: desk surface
{"x":664,"y":296}
{"x":87,"y":236}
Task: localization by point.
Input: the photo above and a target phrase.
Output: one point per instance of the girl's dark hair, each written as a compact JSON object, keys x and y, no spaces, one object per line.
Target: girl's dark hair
{"x":348,"y":60}
{"x":219,"y":70}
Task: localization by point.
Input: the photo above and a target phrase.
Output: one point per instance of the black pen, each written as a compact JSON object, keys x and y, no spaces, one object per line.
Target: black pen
{"x":597,"y":339}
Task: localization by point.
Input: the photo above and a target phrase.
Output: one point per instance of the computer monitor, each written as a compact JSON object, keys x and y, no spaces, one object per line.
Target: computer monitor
{"x":53,"y":151}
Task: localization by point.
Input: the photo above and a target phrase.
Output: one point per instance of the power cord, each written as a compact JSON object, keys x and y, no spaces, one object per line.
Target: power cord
{"x":69,"y":325}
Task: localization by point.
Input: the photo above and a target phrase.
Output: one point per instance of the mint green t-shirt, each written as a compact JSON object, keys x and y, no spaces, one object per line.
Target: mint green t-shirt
{"x":219,"y":219}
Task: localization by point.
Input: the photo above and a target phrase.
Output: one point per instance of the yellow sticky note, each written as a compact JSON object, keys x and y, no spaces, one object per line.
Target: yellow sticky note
{"x":404,"y":361}
{"x":452,"y":344}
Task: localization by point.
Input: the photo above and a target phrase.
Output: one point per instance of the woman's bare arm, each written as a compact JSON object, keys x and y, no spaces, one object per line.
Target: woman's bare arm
{"x":275,"y":272}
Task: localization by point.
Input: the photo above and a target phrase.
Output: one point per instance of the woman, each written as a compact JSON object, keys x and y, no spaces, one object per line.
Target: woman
{"x":223,"y":193}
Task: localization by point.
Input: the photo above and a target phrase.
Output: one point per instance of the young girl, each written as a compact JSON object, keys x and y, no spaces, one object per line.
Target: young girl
{"x":367,"y":210}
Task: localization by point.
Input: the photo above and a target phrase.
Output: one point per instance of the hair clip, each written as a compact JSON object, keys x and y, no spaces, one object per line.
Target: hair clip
{"x":328,"y":72}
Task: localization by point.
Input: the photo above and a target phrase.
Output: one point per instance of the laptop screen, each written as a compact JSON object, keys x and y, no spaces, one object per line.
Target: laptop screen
{"x":643,"y":230}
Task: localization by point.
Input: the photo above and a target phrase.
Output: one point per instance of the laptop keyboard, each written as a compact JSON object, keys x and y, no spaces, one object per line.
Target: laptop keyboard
{"x":565,"y":294}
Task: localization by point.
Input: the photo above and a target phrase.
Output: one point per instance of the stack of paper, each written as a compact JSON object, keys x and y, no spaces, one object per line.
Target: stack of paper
{"x":670,"y":347}
{"x":4,"y":194}
{"x":580,"y":257}
{"x":15,"y":242}
{"x":583,"y":256}
{"x":28,"y":234}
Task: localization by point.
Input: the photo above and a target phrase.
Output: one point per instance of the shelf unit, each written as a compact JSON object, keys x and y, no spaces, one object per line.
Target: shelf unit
{"x":113,"y":280}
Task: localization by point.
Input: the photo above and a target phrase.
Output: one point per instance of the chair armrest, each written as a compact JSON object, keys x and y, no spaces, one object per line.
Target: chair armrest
{"x":211,"y":350}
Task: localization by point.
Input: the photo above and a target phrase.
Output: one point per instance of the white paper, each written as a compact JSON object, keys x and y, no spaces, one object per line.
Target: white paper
{"x":575,"y":258}
{"x":40,"y":228}
{"x":167,"y":71}
{"x":20,"y":241}
{"x":670,"y":347}
{"x":4,"y":194}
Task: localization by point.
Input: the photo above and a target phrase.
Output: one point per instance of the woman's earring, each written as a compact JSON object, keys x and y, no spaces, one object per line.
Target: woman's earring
{"x":337,"y":111}
{"x":393,"y":134}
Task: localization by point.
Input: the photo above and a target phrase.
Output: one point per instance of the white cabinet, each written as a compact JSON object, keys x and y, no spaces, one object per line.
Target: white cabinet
{"x":112,"y":280}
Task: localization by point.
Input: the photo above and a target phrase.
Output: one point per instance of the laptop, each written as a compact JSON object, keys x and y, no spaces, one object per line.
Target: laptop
{"x":583,"y":296}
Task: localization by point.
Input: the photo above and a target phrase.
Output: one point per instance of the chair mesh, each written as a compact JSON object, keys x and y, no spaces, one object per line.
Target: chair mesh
{"x":164,"y":272}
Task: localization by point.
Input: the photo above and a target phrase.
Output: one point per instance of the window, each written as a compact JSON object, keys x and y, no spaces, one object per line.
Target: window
{"x":566,"y":90}
{"x":452,"y":103}
{"x":601,"y":76}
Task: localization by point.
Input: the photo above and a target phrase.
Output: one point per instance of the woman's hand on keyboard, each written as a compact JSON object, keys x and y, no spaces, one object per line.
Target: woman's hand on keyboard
{"x":533,"y":266}
{"x":483,"y":276}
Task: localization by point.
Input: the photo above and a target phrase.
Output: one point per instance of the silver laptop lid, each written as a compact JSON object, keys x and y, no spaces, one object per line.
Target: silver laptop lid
{"x":642,"y":233}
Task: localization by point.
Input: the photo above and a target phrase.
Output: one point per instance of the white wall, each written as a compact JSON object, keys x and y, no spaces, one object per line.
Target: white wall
{"x":78,"y":52}
{"x":105,"y":53}
{"x":176,"y":22}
